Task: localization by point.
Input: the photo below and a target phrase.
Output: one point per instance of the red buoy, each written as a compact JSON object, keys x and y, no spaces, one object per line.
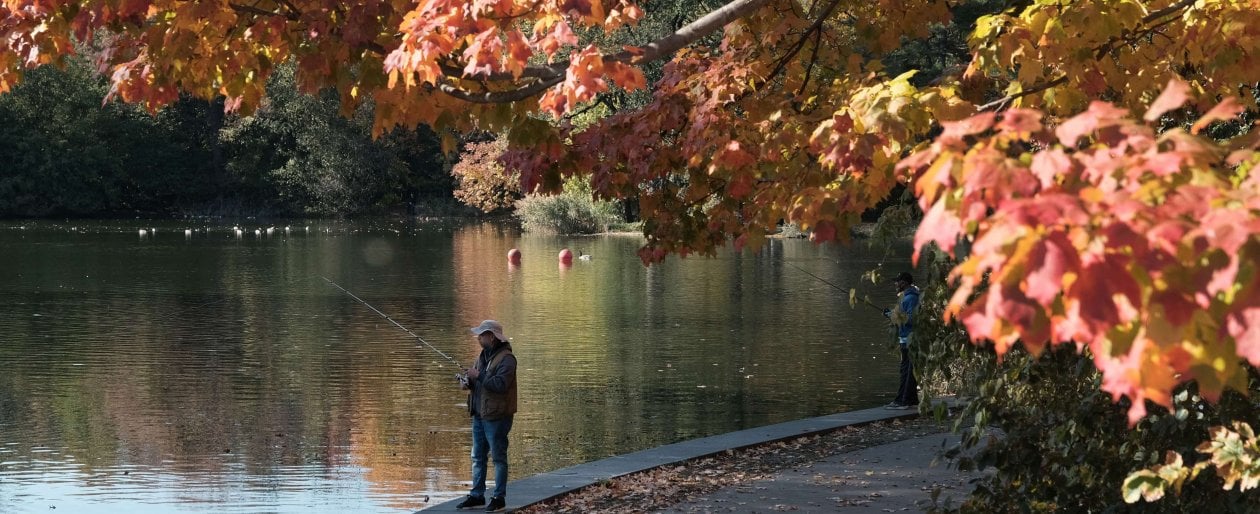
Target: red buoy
{"x":566,"y":257}
{"x":514,"y":256}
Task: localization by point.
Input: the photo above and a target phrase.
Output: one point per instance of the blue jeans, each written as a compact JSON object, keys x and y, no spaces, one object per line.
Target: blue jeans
{"x":490,"y":437}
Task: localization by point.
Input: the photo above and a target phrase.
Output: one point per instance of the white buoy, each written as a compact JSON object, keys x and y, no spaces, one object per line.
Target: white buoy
{"x":188,"y":232}
{"x":143,"y":232}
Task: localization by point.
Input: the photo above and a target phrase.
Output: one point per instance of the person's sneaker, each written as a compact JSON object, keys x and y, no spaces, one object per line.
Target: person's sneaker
{"x":496,"y":504}
{"x":892,"y":404}
{"x":902,"y":407}
{"x":471,"y":501}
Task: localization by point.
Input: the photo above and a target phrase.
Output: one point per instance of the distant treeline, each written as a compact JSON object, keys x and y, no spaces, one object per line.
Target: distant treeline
{"x":63,"y":153}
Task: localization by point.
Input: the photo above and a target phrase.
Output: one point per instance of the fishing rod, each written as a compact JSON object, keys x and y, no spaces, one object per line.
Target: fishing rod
{"x":865,"y":300}
{"x":391,"y":320}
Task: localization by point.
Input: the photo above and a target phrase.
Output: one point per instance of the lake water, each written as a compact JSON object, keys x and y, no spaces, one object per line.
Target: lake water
{"x":217,"y":372}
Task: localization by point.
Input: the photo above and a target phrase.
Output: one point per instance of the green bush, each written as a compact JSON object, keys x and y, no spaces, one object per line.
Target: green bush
{"x":1067,"y":447}
{"x":573,"y":211}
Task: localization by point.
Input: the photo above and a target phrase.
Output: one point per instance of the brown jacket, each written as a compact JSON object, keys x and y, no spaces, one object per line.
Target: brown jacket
{"x":493,"y":394}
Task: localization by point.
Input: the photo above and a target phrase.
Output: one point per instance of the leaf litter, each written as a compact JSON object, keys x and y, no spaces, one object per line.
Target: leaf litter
{"x":687,"y":481}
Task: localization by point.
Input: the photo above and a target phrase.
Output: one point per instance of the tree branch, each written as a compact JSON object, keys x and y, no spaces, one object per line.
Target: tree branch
{"x":1132,"y":37}
{"x":662,"y":47}
{"x":1002,"y":102}
{"x":1167,"y":10}
{"x":249,"y":9}
{"x":500,"y":96}
{"x":530,"y":72}
{"x":812,"y":60}
{"x":294,"y":12}
{"x":693,"y":31}
{"x":1101,"y":52}
{"x":800,"y":43}
{"x":601,"y":99}
{"x":553,"y":74}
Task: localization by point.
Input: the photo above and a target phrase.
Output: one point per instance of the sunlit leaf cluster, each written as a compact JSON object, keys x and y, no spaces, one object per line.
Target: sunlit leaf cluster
{"x":1138,"y":244}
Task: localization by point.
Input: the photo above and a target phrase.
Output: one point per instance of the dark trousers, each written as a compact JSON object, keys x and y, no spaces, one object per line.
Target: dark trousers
{"x":908,"y":390}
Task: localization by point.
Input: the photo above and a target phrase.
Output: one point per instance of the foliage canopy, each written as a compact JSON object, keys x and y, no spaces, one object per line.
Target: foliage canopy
{"x":1097,"y":156}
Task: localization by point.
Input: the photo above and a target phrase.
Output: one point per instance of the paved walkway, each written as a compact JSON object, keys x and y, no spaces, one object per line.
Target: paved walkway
{"x":892,"y":476}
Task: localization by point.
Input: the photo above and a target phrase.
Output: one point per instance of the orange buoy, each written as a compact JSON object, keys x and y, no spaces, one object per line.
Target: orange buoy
{"x":566,"y":257}
{"x":514,"y":256}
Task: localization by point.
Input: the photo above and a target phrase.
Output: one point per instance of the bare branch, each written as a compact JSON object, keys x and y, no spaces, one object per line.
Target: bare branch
{"x":1001,"y":103}
{"x":693,"y":31}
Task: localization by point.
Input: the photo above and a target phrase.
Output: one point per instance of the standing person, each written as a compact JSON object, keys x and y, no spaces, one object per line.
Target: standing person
{"x":491,"y":403}
{"x":902,"y":317}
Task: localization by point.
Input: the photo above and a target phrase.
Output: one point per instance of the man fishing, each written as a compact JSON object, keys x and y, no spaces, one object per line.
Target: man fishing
{"x":902,"y":317}
{"x":491,"y":403}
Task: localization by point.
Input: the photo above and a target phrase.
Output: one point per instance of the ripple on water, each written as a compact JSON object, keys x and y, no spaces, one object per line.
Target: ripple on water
{"x":217,"y":374}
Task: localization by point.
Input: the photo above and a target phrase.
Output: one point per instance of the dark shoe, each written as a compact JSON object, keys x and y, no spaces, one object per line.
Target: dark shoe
{"x":470,"y":502}
{"x":496,"y":504}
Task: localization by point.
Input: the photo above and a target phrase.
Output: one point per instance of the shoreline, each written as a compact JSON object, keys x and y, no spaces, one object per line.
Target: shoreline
{"x":545,"y":489}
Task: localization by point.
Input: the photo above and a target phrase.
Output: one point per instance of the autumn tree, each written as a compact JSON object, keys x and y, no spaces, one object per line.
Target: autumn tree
{"x":1078,"y":153}
{"x":482,"y":181}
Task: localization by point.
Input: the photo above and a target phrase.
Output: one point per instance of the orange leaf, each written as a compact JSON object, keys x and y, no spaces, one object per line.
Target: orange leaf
{"x":628,"y":77}
{"x":518,"y":52}
{"x":1173,"y":97}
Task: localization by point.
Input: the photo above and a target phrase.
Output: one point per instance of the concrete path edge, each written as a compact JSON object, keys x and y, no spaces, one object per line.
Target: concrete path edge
{"x":545,"y":486}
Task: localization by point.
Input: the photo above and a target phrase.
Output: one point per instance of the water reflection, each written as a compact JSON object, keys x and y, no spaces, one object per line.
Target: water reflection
{"x":213,"y":370}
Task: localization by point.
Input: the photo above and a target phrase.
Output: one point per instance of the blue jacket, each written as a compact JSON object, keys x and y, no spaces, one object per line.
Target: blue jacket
{"x":909,"y":302}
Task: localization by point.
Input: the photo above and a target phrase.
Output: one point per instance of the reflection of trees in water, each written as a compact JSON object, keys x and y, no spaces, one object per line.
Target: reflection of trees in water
{"x":238,"y":346}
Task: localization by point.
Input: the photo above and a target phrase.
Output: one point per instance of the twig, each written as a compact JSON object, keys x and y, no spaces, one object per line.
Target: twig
{"x":1001,"y":103}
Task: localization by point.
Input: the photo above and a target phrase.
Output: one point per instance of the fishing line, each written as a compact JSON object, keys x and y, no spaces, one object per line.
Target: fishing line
{"x":391,"y":320}
{"x":865,"y":300}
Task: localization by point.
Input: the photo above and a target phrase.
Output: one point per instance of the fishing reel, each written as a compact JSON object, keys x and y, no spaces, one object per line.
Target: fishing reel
{"x":463,"y":380}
